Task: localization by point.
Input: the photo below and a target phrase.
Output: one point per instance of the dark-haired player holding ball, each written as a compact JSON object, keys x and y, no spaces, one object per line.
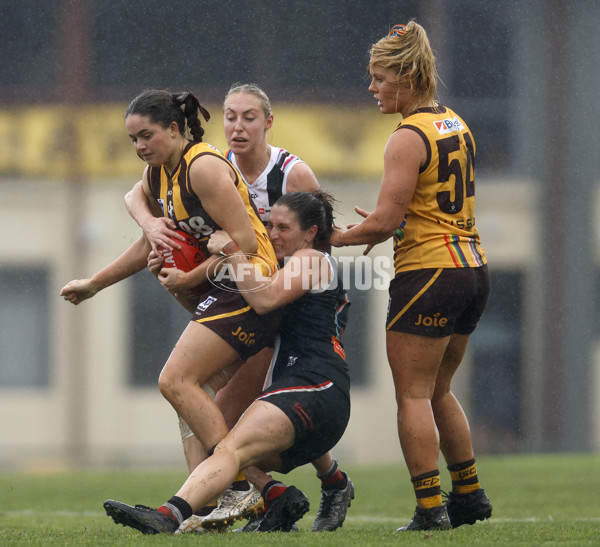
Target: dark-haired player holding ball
{"x":195,"y":186}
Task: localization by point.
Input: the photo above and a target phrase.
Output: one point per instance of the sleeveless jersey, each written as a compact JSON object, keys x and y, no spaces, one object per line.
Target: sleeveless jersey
{"x":438,"y":230}
{"x":178,"y":201}
{"x":271,"y":184}
{"x":310,"y":335}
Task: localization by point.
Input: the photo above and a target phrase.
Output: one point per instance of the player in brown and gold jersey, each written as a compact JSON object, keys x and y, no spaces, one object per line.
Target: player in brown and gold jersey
{"x":268,"y":172}
{"x":426,"y":202}
{"x":191,"y":184}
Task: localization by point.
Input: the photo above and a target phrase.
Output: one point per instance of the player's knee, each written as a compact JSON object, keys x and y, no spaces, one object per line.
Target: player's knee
{"x":167,"y":385}
{"x":235,"y":453}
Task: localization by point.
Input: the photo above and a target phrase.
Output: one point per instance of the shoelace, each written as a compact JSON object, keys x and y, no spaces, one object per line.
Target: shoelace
{"x":327,"y":505}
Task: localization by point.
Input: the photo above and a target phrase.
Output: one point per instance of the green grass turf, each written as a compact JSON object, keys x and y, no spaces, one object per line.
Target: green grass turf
{"x":538,"y":499}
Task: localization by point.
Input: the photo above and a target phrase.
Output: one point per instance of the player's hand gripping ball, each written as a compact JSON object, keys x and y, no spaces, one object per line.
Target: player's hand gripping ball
{"x":192,"y":254}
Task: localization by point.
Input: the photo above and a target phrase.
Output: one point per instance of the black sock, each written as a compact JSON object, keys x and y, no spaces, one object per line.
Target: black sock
{"x":240,"y":485}
{"x":176,"y":508}
{"x":206,"y":510}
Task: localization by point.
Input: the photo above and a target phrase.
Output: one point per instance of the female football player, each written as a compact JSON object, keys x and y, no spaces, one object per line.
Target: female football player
{"x":269,"y":172}
{"x":305,"y":409}
{"x":426,"y":203}
{"x":192,"y":184}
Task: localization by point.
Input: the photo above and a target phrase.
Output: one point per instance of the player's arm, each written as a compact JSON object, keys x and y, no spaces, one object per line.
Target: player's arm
{"x":404,"y":154}
{"x":133,"y":260}
{"x":145,"y":210}
{"x":306,"y":269}
{"x":289,"y":283}
{"x":301,"y":179}
{"x":213,"y":181}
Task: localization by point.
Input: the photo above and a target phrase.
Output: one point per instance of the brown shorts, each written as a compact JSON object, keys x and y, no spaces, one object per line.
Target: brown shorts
{"x":438,"y":302}
{"x":228,"y":315}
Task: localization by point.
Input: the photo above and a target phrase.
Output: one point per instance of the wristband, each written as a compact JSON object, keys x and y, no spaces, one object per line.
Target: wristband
{"x":229,"y":249}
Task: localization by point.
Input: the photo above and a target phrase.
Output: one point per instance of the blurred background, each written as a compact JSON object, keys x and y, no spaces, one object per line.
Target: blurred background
{"x":78,"y":384}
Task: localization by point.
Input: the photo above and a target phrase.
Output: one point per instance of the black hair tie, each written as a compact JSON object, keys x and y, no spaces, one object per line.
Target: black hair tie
{"x":181,"y":98}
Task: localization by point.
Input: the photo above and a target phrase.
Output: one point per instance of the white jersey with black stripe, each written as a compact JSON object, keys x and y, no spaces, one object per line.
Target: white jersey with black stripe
{"x":271,"y":184}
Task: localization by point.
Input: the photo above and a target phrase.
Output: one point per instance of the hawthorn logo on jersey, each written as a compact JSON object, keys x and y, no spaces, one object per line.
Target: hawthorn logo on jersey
{"x":448,"y":125}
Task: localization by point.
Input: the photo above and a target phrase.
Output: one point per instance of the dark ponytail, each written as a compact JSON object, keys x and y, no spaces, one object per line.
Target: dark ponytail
{"x":190,"y":105}
{"x":164,"y":107}
{"x":312,"y":209}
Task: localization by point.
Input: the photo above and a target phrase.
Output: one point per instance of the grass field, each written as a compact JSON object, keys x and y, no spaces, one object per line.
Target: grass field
{"x":538,"y":499}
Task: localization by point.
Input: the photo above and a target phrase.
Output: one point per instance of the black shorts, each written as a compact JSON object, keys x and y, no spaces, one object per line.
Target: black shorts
{"x":228,"y":315}
{"x":319,"y":411}
{"x":438,"y":302}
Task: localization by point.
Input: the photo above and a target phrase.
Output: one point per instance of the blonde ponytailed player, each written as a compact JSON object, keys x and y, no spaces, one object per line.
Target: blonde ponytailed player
{"x":427,"y":204}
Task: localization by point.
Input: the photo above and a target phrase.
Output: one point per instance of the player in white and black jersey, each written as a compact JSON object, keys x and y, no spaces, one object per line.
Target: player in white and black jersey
{"x":272,"y":183}
{"x":268,"y":171}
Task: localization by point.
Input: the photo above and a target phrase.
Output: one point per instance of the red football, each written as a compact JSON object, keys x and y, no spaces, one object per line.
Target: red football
{"x":191,"y":254}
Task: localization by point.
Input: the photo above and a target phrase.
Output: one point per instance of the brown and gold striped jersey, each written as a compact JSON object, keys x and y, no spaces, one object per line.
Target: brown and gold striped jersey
{"x":439,"y":230}
{"x":178,"y":201}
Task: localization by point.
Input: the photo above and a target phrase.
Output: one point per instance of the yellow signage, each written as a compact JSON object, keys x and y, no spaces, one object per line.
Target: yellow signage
{"x":91,"y":141}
